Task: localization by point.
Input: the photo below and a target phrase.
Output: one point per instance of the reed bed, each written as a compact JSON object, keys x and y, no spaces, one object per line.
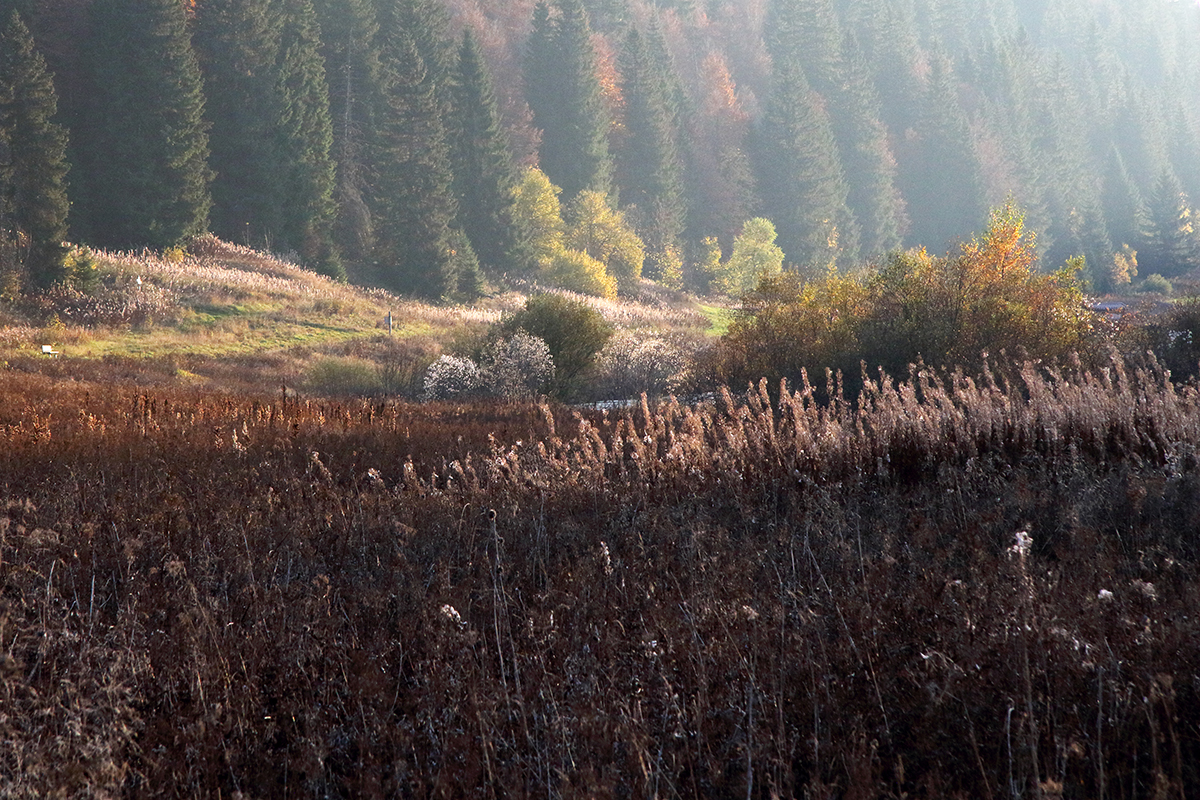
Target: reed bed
{"x":952,"y":587}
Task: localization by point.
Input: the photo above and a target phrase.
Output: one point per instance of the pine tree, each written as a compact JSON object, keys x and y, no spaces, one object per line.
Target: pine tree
{"x":144,"y":146}
{"x":411,"y":200}
{"x":650,"y":172}
{"x":304,"y":139}
{"x":484,"y":174}
{"x":238,"y":45}
{"x":940,"y":174}
{"x":34,"y":200}
{"x":1170,"y":241}
{"x":802,"y":183}
{"x":564,"y":94}
{"x":349,"y":38}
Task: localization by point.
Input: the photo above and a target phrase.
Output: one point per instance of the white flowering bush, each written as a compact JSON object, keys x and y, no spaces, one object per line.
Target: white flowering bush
{"x":631,"y":364}
{"x":451,"y":378}
{"x":519,"y":366}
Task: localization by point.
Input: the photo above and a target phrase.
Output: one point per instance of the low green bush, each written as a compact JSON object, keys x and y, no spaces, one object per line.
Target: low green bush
{"x":574,"y":331}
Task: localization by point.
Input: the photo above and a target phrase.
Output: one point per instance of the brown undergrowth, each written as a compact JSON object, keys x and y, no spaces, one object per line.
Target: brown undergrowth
{"x":952,"y":588}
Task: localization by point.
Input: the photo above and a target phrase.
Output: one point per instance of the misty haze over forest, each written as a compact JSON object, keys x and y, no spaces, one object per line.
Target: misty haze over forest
{"x":387,"y":140}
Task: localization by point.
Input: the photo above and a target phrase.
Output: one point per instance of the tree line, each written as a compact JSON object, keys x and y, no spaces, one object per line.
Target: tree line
{"x":395,"y":141}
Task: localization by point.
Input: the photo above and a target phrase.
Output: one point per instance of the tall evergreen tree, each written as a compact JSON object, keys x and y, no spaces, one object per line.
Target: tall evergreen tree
{"x":810,"y":32}
{"x":887,"y":31}
{"x":803,"y":186}
{"x":238,"y":45}
{"x":304,"y":139}
{"x":1122,"y":202}
{"x":565,"y":95}
{"x":484,"y":174}
{"x":1170,"y":241}
{"x":144,"y":146}
{"x":428,"y":23}
{"x":650,"y":171}
{"x":720,"y":177}
{"x":34,"y":199}
{"x":866,"y":155}
{"x":270,"y":133}
{"x":939,"y":170}
{"x":807,"y":30}
{"x":412,"y":199}
{"x":349,"y":38}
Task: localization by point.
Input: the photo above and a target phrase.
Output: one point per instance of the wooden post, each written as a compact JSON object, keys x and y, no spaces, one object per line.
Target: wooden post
{"x":389,"y":322}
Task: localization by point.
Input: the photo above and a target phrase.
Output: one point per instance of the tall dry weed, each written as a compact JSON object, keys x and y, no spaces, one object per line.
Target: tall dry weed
{"x":760,"y":596}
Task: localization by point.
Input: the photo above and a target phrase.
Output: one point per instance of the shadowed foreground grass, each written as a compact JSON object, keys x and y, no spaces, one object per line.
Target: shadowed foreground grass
{"x":951,"y":589}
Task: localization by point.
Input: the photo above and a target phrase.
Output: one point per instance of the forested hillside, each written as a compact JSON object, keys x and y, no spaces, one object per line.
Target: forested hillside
{"x":395,"y":140}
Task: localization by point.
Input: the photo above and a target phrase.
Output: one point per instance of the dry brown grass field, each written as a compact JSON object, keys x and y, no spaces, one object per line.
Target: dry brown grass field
{"x":951,"y":588}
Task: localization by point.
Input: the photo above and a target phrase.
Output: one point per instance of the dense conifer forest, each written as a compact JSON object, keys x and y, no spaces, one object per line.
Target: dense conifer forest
{"x":387,"y":140}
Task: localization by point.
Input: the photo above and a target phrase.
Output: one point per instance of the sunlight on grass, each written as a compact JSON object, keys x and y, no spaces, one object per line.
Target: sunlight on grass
{"x":718,"y":319}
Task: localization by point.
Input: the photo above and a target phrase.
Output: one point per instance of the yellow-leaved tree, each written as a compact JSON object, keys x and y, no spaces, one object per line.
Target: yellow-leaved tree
{"x":755,"y":256}
{"x":537,"y":211}
{"x":601,"y":231}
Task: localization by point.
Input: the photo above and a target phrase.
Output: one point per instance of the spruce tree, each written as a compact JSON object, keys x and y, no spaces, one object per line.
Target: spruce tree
{"x":866,"y":155}
{"x":350,"y":46}
{"x":802,"y":183}
{"x":238,"y":45}
{"x":144,"y":145}
{"x":650,"y":171}
{"x":809,"y":32}
{"x":886,"y":30}
{"x":412,"y":199}
{"x":939,"y":171}
{"x":304,"y":139}
{"x":34,"y":200}
{"x":720,"y":179}
{"x":484,"y":174}
{"x":428,"y":23}
{"x":1122,"y":202}
{"x":270,"y":129}
{"x":1170,"y":241}
{"x":564,"y":94}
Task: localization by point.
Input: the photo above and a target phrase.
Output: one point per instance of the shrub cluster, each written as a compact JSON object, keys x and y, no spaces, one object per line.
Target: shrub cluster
{"x":520,"y":366}
{"x":989,"y":298}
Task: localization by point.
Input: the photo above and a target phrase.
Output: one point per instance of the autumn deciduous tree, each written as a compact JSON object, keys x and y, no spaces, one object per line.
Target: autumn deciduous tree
{"x":989,"y":297}
{"x":755,"y":256}
{"x":602,"y":232}
{"x":536,"y":209}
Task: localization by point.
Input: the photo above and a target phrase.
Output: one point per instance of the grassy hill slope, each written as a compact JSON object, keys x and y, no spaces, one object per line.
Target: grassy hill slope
{"x":236,"y":318}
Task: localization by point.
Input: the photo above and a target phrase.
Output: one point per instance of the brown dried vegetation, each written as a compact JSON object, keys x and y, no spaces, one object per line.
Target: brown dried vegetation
{"x":951,"y":588}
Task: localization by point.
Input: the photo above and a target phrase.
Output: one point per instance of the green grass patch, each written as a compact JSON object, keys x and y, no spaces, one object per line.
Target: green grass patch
{"x":718,"y":319}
